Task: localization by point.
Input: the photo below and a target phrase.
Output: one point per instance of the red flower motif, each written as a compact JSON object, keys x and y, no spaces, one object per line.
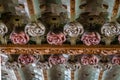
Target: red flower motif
{"x":92,"y":38}
{"x":57,"y":59}
{"x":26,"y":59}
{"x":56,"y":39}
{"x":19,"y":38}
{"x":89,"y":60}
{"x":116,"y":60}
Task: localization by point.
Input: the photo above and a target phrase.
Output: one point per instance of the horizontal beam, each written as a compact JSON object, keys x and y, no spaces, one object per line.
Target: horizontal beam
{"x":66,"y":49}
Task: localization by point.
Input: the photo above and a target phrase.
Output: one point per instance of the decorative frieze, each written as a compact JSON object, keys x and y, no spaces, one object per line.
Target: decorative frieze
{"x":66,"y":49}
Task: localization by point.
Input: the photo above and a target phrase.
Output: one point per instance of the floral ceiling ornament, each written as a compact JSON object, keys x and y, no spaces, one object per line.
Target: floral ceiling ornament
{"x":73,"y":30}
{"x":110,"y":31}
{"x":89,"y":60}
{"x":35,"y":30}
{"x":26,"y":59}
{"x":116,"y":60}
{"x":57,"y":59}
{"x":3,"y":31}
{"x":91,"y":38}
{"x":19,"y":38}
{"x":56,"y":38}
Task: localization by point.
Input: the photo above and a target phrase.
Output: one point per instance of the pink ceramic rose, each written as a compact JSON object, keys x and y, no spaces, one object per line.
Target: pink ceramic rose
{"x":91,"y":38}
{"x":89,"y":60}
{"x":26,"y":59}
{"x":19,"y":38}
{"x":116,"y":60}
{"x":85,"y":60}
{"x":93,"y":60}
{"x":56,"y":39}
{"x":57,"y":59}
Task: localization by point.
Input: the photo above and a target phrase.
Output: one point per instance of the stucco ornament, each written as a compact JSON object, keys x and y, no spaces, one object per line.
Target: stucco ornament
{"x":73,"y":30}
{"x":36,"y":30}
{"x":110,"y":30}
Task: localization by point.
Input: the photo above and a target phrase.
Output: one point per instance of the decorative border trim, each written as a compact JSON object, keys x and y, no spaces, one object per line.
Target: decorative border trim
{"x":66,"y":49}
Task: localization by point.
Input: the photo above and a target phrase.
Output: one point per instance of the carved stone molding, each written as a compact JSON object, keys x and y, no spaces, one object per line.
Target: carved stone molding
{"x":66,"y":49}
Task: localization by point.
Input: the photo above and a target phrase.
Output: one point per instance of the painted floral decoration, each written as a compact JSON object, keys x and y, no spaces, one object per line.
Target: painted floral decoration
{"x":57,"y":59}
{"x":35,"y":29}
{"x":19,"y":38}
{"x":56,"y":38}
{"x":26,"y":59}
{"x":116,"y":60}
{"x":89,"y":60}
{"x":73,"y":29}
{"x":91,"y":38}
{"x":3,"y":29}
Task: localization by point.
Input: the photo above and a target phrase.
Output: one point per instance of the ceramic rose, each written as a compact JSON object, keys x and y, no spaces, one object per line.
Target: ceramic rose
{"x":110,"y":31}
{"x":91,"y":38}
{"x":35,"y":30}
{"x":56,"y":38}
{"x":26,"y":59}
{"x":57,"y":59}
{"x":116,"y":60}
{"x":85,"y":60}
{"x":73,"y":30}
{"x":89,"y":60}
{"x":3,"y":31}
{"x":93,"y":60}
{"x":19,"y":38}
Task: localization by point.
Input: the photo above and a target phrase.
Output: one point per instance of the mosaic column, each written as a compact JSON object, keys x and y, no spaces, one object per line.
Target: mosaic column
{"x":30,"y":69}
{"x":114,"y":72}
{"x":88,"y":70}
{"x":58,"y":70}
{"x":6,"y":73}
